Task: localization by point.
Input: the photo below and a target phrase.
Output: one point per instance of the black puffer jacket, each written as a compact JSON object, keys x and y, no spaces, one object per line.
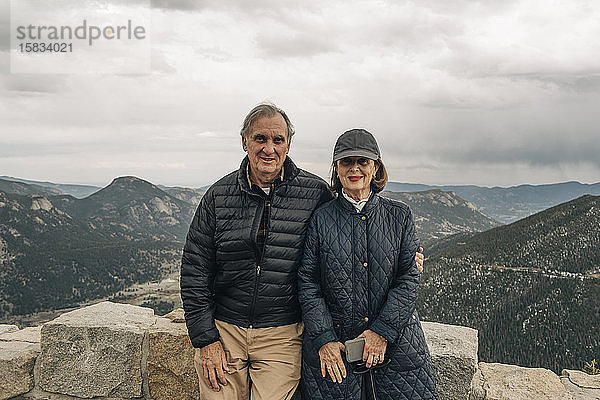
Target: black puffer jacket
{"x":221,"y":275}
{"x":358,"y":272}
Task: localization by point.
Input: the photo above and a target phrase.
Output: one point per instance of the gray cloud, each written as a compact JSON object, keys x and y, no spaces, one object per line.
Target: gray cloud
{"x":4,"y":65}
{"x":258,"y":7}
{"x":466,"y":92}
{"x":4,"y":25}
{"x":184,"y":5}
{"x":160,"y":63}
{"x":558,"y":134}
{"x":549,"y":152}
{"x":587,"y":81}
{"x":294,"y":44}
{"x":31,"y":84}
{"x":587,"y":84}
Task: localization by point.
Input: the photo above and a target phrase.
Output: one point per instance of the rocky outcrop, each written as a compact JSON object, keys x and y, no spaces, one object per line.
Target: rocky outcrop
{"x":40,"y":203}
{"x":18,"y":352}
{"x":8,"y":328}
{"x":454,"y":354}
{"x":112,"y":351}
{"x":510,"y":382}
{"x":581,"y":386}
{"x":29,"y":335}
{"x":176,"y":315}
{"x":116,"y":351}
{"x":95,"y":351}
{"x":171,"y":373}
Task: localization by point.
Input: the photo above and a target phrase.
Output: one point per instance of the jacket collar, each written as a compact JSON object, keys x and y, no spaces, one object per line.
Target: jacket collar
{"x":349,"y":208}
{"x":289,"y":172}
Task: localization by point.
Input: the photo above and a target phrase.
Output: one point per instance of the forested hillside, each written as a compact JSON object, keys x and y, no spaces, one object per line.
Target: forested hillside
{"x":57,"y":251}
{"x":564,"y":238}
{"x":531,"y":288}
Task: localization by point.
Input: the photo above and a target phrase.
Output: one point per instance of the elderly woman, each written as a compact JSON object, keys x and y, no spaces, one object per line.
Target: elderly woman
{"x":359,"y":279}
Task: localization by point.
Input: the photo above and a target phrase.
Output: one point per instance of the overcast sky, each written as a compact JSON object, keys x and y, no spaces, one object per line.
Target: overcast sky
{"x":456,"y":92}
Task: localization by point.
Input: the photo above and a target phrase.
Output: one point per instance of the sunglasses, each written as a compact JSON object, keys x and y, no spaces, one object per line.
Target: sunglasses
{"x":350,"y":161}
{"x":361,"y":367}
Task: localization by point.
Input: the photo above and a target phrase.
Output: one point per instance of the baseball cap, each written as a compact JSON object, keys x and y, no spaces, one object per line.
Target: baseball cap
{"x":356,"y":143}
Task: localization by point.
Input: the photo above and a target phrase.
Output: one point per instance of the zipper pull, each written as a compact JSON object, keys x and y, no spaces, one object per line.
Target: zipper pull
{"x":258,"y":270}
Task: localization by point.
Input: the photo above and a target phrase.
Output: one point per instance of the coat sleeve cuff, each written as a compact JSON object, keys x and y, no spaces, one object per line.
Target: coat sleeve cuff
{"x":325,"y":337}
{"x":205,"y":340}
{"x":384,"y":330}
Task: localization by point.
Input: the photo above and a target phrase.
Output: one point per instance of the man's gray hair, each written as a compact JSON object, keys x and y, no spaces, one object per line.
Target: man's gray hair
{"x":265,"y":110}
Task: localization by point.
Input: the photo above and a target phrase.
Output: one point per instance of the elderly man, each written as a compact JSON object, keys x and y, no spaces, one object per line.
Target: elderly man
{"x":240,"y":263}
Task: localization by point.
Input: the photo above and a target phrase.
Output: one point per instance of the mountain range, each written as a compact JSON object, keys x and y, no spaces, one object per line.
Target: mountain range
{"x":503,"y":204}
{"x":133,"y":206}
{"x":439,"y":214}
{"x":57,"y":250}
{"x":15,"y":187}
{"x":512,"y":203}
{"x":531,"y":288}
{"x":189,"y":195}
{"x":78,"y":191}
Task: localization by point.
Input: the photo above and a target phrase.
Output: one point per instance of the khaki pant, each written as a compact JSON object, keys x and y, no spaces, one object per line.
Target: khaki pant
{"x":264,"y":363}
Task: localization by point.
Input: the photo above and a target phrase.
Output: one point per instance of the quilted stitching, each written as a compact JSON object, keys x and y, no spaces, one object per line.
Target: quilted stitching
{"x":359,"y":265}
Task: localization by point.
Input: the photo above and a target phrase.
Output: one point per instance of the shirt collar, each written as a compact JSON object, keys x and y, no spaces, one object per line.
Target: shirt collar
{"x":250,"y":183}
{"x":358,"y":205}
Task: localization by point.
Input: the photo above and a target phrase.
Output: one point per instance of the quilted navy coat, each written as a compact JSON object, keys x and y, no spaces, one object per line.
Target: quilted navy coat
{"x":358,"y":272}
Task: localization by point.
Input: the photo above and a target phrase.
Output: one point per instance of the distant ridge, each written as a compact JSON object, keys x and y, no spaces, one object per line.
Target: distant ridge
{"x":509,"y":204}
{"x":504,"y":204}
{"x":563,"y":238}
{"x":439,"y":214}
{"x":16,"y":187}
{"x":189,"y":195}
{"x":78,"y":191}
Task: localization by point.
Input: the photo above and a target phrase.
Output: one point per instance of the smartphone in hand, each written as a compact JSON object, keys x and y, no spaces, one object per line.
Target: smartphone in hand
{"x":354,"y":349}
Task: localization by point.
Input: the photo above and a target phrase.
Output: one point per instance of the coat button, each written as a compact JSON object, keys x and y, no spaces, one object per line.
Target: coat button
{"x":365,"y":264}
{"x":414,"y":317}
{"x":366,"y":319}
{"x":363,"y":217}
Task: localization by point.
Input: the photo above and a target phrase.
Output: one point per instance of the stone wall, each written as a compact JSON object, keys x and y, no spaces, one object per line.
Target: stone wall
{"x":112,"y":351}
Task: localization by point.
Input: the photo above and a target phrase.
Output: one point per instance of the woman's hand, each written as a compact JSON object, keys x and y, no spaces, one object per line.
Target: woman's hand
{"x":375,"y":346}
{"x":419,"y":258}
{"x":331,"y":361}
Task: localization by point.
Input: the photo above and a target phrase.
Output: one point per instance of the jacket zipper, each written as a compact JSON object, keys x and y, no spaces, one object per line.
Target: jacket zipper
{"x":266,"y":206}
{"x":255,"y":295}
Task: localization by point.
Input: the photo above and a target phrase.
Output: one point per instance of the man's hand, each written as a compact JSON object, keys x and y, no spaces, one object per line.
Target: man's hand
{"x":375,"y":346}
{"x":210,"y":363}
{"x":419,"y":258}
{"x":331,"y":361}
